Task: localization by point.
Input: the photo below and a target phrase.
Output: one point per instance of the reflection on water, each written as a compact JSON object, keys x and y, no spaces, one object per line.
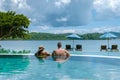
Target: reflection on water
{"x":59,"y":65}
{"x":42,"y":60}
{"x":13,"y":64}
{"x":59,"y":60}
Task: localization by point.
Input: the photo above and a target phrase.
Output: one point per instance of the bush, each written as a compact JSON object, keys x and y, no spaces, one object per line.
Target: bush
{"x":2,"y":50}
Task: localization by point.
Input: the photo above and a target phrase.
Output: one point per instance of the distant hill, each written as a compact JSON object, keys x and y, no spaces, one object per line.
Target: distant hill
{"x":51,"y":36}
{"x":117,"y":34}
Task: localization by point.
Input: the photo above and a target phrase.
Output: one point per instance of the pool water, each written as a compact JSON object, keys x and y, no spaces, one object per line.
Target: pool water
{"x":76,"y":68}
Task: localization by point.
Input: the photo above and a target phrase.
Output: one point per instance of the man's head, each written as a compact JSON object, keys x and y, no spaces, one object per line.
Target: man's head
{"x":59,"y":44}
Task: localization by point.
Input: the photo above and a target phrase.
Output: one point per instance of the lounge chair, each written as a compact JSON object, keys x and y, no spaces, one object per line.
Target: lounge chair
{"x":78,"y":47}
{"x":114,"y":47}
{"x":103,"y":47}
{"x":68,"y":47}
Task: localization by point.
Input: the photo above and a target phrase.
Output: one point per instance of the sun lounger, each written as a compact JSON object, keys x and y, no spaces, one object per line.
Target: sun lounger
{"x":103,"y":47}
{"x":68,"y":47}
{"x":78,"y":47}
{"x":114,"y":47}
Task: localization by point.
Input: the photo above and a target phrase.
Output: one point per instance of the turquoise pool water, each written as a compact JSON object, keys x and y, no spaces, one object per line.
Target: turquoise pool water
{"x":76,"y":68}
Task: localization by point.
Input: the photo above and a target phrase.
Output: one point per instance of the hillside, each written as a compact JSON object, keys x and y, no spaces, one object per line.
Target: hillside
{"x":50,"y":36}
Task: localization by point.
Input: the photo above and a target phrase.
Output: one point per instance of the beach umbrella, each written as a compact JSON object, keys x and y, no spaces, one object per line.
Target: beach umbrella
{"x":108,"y":36}
{"x":73,"y":37}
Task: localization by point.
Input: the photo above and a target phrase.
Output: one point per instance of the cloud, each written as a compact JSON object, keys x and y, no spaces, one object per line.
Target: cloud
{"x":1,"y":5}
{"x":101,"y":29}
{"x":55,"y":13}
{"x":19,"y":6}
{"x":64,"y":31}
{"x":62,"y":19}
{"x":78,"y":30}
{"x":61,"y":3}
{"x":59,"y":13}
{"x":67,"y":15}
{"x":107,"y":9}
{"x":75,"y":13}
{"x":43,"y":28}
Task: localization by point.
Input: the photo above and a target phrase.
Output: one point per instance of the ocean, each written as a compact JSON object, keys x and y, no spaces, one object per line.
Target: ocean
{"x":50,"y":45}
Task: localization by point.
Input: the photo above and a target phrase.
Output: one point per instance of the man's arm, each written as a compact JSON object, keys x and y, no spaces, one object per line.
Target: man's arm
{"x":53,"y":55}
{"x":67,"y":54}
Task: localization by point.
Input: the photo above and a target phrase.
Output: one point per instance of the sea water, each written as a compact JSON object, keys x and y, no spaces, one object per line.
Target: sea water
{"x":50,"y":45}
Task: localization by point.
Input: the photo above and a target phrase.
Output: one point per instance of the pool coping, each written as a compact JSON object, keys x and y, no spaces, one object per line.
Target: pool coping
{"x":97,"y":56}
{"x":76,"y":55}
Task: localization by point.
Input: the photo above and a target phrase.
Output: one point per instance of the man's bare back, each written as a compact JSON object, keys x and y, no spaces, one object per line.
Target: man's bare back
{"x":60,"y":53}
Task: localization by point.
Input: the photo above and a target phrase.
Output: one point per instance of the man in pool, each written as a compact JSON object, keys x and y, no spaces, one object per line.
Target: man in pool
{"x":41,"y":53}
{"x":60,"y":54}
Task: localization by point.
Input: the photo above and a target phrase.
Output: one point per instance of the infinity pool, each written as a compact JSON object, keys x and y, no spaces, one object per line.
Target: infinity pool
{"x":20,"y":67}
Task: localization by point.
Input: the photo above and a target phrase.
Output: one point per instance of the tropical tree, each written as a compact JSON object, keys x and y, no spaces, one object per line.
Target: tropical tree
{"x":13,"y":25}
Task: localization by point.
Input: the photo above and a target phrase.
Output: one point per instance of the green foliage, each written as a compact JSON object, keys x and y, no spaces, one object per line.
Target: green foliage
{"x":46,"y":36}
{"x":2,"y":50}
{"x":92,"y":36}
{"x":13,"y":25}
{"x":50,"y":36}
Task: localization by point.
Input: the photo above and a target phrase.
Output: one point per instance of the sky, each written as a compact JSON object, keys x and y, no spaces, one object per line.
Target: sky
{"x":68,"y":16}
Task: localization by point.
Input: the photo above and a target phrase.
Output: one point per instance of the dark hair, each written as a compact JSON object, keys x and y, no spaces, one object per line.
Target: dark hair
{"x":59,"y":44}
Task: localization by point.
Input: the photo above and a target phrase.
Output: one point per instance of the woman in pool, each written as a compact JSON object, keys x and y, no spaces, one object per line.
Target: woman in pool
{"x":41,"y":53}
{"x":60,"y":54}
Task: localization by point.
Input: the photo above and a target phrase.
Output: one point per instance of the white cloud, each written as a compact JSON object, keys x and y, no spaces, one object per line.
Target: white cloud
{"x":56,"y":31}
{"x":45,"y":27}
{"x":42,"y":28}
{"x":20,"y":4}
{"x":64,"y":19}
{"x":107,"y":8}
{"x":110,"y":28}
{"x":69,"y":31}
{"x":92,"y":30}
{"x":77,"y":30}
{"x":61,"y":3}
{"x":33,"y":20}
{"x":100,"y":29}
{"x":1,"y":4}
{"x":15,"y":5}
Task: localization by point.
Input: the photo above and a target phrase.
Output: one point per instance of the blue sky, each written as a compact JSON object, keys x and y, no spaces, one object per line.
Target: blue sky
{"x":68,"y":16}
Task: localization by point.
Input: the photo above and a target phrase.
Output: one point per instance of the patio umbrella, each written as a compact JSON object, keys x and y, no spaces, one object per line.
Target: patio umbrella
{"x":73,"y":37}
{"x":108,"y":36}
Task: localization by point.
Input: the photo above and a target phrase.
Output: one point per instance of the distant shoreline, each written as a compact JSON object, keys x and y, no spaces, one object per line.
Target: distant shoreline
{"x":51,"y":36}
